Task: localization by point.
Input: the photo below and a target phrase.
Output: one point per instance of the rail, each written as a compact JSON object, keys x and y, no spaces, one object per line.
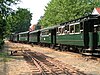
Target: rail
{"x":49,"y":66}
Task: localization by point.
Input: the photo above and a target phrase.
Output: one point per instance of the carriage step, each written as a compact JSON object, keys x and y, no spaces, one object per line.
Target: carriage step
{"x":97,"y":54}
{"x":87,"y":54}
{"x":91,"y":50}
{"x":88,"y":49}
{"x":97,"y":49}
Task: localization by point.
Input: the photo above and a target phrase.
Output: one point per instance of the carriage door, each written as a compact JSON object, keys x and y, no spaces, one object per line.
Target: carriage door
{"x":95,"y":36}
{"x":90,"y":36}
{"x":86,"y":34}
{"x":53,"y":36}
{"x":95,"y":33}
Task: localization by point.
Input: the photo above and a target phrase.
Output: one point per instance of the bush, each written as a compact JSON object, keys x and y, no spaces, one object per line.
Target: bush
{"x":1,"y":43}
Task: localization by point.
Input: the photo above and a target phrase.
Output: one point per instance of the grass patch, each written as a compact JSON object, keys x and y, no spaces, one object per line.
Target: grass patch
{"x":4,"y":57}
{"x":3,"y":54}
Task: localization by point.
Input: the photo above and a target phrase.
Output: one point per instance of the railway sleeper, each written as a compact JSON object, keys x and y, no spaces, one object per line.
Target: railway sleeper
{"x":65,"y":69}
{"x":54,"y":69}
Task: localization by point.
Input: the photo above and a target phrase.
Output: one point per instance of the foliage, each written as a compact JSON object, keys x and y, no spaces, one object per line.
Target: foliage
{"x":13,"y":21}
{"x":59,"y":11}
{"x":38,"y":26}
{"x":19,"y":20}
{"x":1,"y":43}
{"x":4,"y":56}
{"x":4,"y":12}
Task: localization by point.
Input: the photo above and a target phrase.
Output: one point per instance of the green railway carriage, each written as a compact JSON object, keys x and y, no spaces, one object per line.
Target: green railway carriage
{"x":91,"y":35}
{"x":24,"y":36}
{"x":48,"y":36}
{"x":98,"y":38}
{"x":70,"y":35}
{"x":96,"y":34}
{"x":34,"y":37}
{"x":79,"y":33}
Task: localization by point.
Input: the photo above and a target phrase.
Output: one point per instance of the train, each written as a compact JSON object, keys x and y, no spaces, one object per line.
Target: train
{"x":81,"y":35}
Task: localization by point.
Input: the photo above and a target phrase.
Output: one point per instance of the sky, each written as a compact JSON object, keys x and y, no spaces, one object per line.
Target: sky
{"x":36,"y":7}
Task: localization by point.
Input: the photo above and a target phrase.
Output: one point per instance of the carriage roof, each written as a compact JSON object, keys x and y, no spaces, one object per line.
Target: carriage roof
{"x":24,"y":32}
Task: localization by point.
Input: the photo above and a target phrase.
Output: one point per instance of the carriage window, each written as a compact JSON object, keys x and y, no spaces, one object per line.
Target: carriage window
{"x":66,"y":29}
{"x":23,"y":35}
{"x":61,"y":30}
{"x":95,"y":28}
{"x":72,"y":29}
{"x":81,"y":27}
{"x":57,"y":30}
{"x":77,"y":28}
{"x":98,"y":28}
{"x":46,"y":32}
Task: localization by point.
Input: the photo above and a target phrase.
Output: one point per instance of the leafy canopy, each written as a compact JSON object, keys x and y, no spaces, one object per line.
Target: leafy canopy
{"x":4,"y":12}
{"x":19,"y":21}
{"x":59,"y":11}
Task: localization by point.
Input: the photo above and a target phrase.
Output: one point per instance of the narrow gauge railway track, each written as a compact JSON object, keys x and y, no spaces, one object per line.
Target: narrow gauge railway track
{"x":48,"y":66}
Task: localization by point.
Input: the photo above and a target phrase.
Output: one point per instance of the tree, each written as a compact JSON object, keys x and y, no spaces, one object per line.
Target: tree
{"x":4,"y":12}
{"x":19,"y":21}
{"x":59,"y":11}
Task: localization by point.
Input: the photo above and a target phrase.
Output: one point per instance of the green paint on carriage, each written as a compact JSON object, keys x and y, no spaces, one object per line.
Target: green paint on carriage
{"x":70,"y":39}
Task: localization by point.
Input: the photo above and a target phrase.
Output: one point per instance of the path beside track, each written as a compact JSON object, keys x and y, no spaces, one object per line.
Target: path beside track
{"x":88,"y":65}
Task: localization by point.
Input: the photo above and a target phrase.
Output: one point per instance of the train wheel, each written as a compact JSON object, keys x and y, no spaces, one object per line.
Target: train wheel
{"x":80,"y":49}
{"x":64,"y":48}
{"x":52,"y":46}
{"x":61,"y":47}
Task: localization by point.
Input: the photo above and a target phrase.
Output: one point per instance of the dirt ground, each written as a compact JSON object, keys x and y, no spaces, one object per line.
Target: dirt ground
{"x":18,"y":66}
{"x":88,"y":65}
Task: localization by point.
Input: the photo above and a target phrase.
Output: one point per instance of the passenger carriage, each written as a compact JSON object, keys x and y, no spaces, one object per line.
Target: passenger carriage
{"x":48,"y":36}
{"x":24,"y":37}
{"x":34,"y":37}
{"x":70,"y":35}
{"x":79,"y":35}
